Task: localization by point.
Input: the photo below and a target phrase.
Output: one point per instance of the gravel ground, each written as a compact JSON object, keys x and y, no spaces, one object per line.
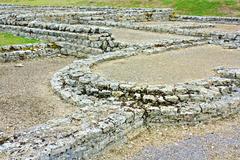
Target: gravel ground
{"x":26,"y":98}
{"x":210,"y":146}
{"x":218,"y":27}
{"x":170,"y":67}
{"x":135,"y":36}
{"x":214,"y":141}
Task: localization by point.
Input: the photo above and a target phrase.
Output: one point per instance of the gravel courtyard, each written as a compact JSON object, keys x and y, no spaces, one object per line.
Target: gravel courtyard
{"x":26,"y":97}
{"x":170,"y":67}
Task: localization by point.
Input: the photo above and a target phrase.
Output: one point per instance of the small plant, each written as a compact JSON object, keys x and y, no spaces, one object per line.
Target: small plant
{"x":173,"y":16}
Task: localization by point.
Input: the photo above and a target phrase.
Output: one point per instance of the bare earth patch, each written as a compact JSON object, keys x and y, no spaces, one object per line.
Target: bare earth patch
{"x":26,"y":98}
{"x":135,"y":36}
{"x":170,"y":67}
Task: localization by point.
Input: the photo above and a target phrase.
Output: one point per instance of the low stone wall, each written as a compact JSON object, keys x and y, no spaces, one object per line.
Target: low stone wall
{"x":230,"y":40}
{"x":10,"y":48}
{"x":221,"y":38}
{"x":162,"y":43}
{"x":117,"y":15}
{"x":72,"y":137}
{"x":28,"y":51}
{"x":22,"y":15}
{"x":98,"y":39}
{"x":175,"y":101}
{"x":214,"y":19}
{"x":55,"y":26}
{"x":78,"y":15}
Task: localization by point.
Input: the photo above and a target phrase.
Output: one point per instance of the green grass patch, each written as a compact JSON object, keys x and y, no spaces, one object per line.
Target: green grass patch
{"x":230,"y":2}
{"x":189,"y":7}
{"x":10,"y":39}
{"x":198,"y":7}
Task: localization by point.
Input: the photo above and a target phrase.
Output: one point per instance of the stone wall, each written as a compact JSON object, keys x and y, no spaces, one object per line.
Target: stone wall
{"x":68,"y":138}
{"x":117,"y":15}
{"x":89,"y":39}
{"x":80,"y":15}
{"x":214,"y":19}
{"x":176,"y":99}
{"x":28,"y":51}
{"x":230,"y":40}
{"x":70,"y":25}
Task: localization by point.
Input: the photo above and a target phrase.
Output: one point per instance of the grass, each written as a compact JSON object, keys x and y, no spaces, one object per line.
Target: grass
{"x":189,"y":7}
{"x":10,"y":39}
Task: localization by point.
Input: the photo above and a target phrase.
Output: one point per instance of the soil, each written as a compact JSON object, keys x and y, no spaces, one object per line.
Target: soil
{"x":170,"y":67}
{"x":26,"y":97}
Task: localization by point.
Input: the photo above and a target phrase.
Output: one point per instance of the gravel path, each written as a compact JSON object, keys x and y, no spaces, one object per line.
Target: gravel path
{"x":170,"y":67}
{"x":135,"y":36}
{"x":210,"y":146}
{"x":26,"y":98}
{"x":214,"y":141}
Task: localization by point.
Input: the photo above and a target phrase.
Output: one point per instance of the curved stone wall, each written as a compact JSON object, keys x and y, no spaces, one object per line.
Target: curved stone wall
{"x":109,"y":110}
{"x":176,"y":99}
{"x":198,"y":101}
